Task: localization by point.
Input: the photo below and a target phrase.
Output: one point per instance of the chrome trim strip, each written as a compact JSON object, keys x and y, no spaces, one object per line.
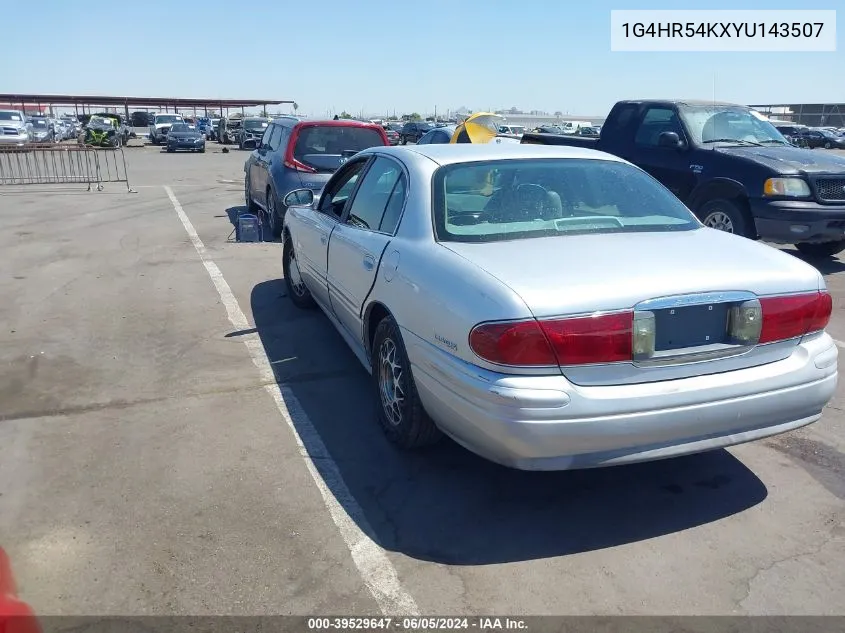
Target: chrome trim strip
{"x":682,"y":301}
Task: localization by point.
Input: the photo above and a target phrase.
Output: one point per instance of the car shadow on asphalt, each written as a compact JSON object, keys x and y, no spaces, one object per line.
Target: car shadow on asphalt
{"x":446,"y":505}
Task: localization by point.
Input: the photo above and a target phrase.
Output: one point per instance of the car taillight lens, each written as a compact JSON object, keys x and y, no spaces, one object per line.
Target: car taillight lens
{"x":512,"y":343}
{"x":602,"y":338}
{"x":794,"y":315}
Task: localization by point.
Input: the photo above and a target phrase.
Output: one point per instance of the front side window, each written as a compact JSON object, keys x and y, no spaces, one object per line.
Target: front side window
{"x":337,"y":193}
{"x":371,"y":200}
{"x":521,"y":199}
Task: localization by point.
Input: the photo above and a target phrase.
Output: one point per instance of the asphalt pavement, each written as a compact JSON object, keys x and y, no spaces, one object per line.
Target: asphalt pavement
{"x":177,"y":438}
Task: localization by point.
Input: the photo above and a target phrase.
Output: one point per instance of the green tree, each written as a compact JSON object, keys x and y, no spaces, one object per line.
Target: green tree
{"x":345,"y":115}
{"x":415,"y":116}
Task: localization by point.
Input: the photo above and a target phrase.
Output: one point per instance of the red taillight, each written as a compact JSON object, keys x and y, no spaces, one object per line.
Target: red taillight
{"x":603,"y":338}
{"x":290,"y":162}
{"x":794,"y":315}
{"x":299,"y":166}
{"x":519,"y":343}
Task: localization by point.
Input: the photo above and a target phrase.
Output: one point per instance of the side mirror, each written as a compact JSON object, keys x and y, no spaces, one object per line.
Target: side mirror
{"x":299,"y":198}
{"x":670,"y":140}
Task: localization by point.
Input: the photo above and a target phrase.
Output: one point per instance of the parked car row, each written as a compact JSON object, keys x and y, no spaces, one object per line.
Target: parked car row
{"x":102,"y":129}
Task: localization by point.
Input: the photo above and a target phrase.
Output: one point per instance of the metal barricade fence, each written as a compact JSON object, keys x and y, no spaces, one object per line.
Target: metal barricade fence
{"x":58,"y":164}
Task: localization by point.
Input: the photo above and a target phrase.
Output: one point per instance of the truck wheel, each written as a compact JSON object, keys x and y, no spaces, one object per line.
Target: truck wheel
{"x":400,"y":411}
{"x":725,"y":215}
{"x":822,"y":250}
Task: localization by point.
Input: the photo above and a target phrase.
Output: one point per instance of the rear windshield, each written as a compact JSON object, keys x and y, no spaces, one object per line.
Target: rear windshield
{"x":316,"y":144}
{"x":168,"y":118}
{"x":493,"y":201}
{"x":10,"y":116}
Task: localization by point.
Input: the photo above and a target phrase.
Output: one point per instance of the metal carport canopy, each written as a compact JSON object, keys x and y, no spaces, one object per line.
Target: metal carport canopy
{"x":110,"y":100}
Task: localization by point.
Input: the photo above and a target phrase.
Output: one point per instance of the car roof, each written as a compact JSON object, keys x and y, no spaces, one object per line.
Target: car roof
{"x":328,"y":123}
{"x":449,"y":153}
{"x":689,"y":102}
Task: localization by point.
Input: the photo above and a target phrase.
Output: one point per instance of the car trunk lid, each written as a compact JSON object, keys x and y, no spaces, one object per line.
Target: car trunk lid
{"x":687,"y":280}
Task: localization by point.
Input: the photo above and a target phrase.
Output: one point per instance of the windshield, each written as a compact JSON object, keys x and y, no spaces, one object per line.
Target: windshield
{"x":323,"y":146}
{"x":255,"y":125}
{"x":181,"y":127}
{"x":713,"y":124}
{"x":39,"y":122}
{"x":101,"y":120}
{"x":168,"y":118}
{"x":518,"y":199}
{"x":10,"y":116}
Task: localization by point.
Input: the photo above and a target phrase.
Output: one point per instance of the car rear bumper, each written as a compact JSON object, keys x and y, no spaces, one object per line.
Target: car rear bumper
{"x":183,"y":145}
{"x":547,"y":423}
{"x":793,"y":221}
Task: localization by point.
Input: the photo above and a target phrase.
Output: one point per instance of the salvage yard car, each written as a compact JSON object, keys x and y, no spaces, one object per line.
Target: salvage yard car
{"x":553,"y":308}
{"x":160,"y":127}
{"x":184,"y":136}
{"x":732,"y":167}
{"x":14,"y":129}
{"x":102,"y":131}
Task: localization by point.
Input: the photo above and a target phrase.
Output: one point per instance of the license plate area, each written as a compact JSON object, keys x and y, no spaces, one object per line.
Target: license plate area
{"x":681,"y":328}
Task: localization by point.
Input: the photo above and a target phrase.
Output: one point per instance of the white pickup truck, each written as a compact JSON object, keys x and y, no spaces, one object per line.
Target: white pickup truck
{"x":161,"y":126}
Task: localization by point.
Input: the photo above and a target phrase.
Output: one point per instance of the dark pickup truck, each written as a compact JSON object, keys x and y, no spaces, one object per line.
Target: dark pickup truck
{"x":731,"y":167}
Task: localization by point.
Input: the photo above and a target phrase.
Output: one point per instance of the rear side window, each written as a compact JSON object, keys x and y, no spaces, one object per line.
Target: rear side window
{"x":324,"y":147}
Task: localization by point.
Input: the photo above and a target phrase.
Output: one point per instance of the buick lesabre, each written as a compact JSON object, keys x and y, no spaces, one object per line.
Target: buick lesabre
{"x":554,"y":307}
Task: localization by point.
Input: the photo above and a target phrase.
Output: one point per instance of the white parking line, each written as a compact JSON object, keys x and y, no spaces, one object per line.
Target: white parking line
{"x":375,"y":568}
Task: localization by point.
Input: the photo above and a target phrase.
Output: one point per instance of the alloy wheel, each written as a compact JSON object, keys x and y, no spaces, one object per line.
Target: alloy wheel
{"x":296,"y":282}
{"x":272,"y":218}
{"x":390,"y":382}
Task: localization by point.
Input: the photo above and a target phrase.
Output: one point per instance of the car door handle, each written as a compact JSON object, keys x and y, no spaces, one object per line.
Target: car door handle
{"x":369,"y":262}
{"x":323,"y":238}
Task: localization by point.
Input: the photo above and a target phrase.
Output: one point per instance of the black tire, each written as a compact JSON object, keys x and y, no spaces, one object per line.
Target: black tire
{"x":405,"y":423}
{"x":827,"y":145}
{"x":299,"y":295}
{"x":170,"y":150}
{"x":274,"y":220}
{"x":250,"y":205}
{"x":726,"y":215}
{"x":202,"y":150}
{"x":403,"y":140}
{"x":822,"y":250}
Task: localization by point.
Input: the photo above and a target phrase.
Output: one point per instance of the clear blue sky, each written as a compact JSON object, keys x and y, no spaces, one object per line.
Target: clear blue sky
{"x":380,"y":56}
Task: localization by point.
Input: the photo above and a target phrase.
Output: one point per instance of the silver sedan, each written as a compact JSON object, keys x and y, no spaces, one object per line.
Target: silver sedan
{"x":553,"y":307}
